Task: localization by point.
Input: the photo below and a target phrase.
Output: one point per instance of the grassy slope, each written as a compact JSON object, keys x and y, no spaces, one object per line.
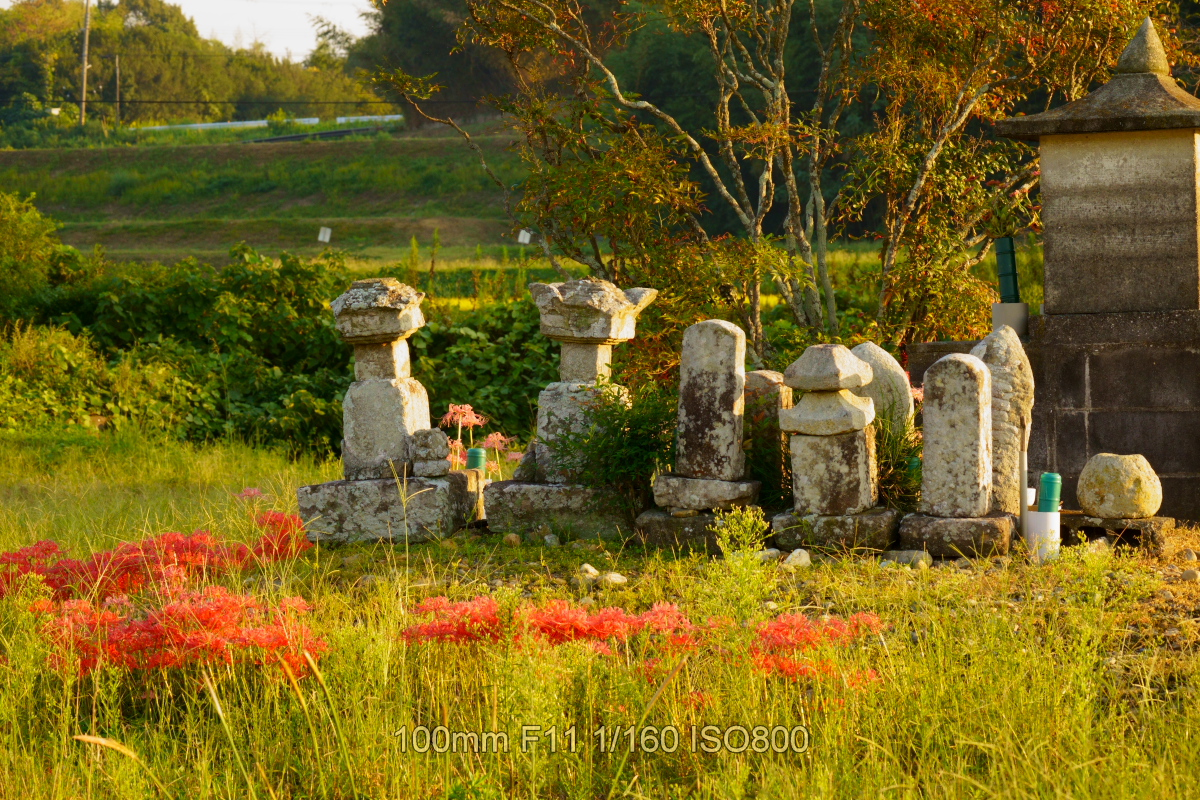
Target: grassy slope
{"x":999,"y":680}
{"x":171,"y":202}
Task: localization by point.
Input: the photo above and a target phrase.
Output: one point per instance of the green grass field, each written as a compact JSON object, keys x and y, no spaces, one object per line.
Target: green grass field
{"x":167,"y":203}
{"x":994,"y":678}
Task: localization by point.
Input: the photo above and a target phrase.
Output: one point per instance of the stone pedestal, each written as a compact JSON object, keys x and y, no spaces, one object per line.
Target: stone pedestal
{"x":712,"y":384}
{"x":374,"y":510}
{"x":379,"y":419}
{"x":577,"y":511}
{"x":948,"y":537}
{"x":698,"y":494}
{"x":661,"y":529}
{"x":1152,"y":534}
{"x":870,"y":531}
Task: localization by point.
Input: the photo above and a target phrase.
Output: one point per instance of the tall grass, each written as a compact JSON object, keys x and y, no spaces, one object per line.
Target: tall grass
{"x":1000,"y":680}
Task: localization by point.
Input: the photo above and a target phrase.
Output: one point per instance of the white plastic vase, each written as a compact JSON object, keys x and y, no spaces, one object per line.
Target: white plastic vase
{"x":1043,"y":535}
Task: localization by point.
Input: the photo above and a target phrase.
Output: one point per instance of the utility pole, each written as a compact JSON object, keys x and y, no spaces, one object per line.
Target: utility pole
{"x":83,"y":70}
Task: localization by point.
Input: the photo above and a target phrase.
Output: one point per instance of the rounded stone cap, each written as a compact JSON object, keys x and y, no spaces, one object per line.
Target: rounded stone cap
{"x":589,"y":311}
{"x":827,"y":368}
{"x":378,"y":310}
{"x":1119,"y":487}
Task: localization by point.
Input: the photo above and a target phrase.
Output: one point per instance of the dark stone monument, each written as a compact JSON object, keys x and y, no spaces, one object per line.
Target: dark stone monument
{"x":1116,"y":353}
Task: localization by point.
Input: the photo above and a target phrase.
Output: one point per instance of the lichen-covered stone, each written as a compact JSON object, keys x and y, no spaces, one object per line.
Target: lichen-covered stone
{"x":657,"y":528}
{"x":382,"y":361}
{"x":378,"y":419}
{"x":1152,"y":534}
{"x":872,"y":530}
{"x":526,"y":471}
{"x":827,"y":368}
{"x":585,"y":363}
{"x":1119,"y":487}
{"x":589,"y":310}
{"x":1012,"y":402}
{"x":581,"y":511}
{"x":378,"y":310}
{"x":712,"y":382}
{"x":430,"y":444}
{"x":373,"y":510}
{"x":889,"y":388}
{"x":702,"y":494}
{"x":834,"y":475}
{"x":828,"y":414}
{"x":431,"y":469}
{"x":956,"y":476}
{"x":562,"y":408}
{"x":970,"y":537}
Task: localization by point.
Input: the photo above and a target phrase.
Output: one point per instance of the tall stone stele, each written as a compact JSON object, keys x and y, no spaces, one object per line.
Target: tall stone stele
{"x":588,"y":317}
{"x":398,"y":483}
{"x":955,"y":514}
{"x":710,"y":462}
{"x":1120,"y":336}
{"x":835,"y":473}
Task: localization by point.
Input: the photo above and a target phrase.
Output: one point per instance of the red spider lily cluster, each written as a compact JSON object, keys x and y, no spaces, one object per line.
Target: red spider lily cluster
{"x":777,"y":647}
{"x":463,"y":416}
{"x":166,"y":558}
{"x":141,"y":605}
{"x":207,"y":626}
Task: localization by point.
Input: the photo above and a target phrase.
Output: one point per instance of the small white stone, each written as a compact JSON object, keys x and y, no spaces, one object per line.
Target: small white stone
{"x":797,"y":559}
{"x":769,"y":556}
{"x":589,"y":572}
{"x":551,"y":540}
{"x":610,"y":579}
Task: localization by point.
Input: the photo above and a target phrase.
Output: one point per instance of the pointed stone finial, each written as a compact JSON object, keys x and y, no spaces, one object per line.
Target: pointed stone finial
{"x":1145,"y":53}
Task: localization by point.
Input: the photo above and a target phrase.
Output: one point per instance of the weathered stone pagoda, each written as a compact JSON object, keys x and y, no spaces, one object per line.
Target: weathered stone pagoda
{"x":1117,"y":364}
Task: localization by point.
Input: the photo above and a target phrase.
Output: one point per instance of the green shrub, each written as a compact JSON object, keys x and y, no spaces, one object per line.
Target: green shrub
{"x":630,"y":440}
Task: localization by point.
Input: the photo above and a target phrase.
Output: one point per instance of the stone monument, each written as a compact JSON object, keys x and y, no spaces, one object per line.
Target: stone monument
{"x":588,"y":317}
{"x":710,"y":463}
{"x":835,"y":477}
{"x":1119,"y":339}
{"x":395,"y":486}
{"x":956,"y":517}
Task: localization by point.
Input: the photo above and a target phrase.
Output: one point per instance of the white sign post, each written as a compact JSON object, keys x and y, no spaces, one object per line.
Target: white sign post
{"x":325,"y":235}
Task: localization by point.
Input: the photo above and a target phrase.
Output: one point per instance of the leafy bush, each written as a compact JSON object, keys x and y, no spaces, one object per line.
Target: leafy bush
{"x":631,"y":439}
{"x":898,"y":452}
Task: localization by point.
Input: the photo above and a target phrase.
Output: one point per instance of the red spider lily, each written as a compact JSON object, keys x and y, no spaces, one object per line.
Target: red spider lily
{"x":514,"y":455}
{"x":169,"y":560}
{"x":247,"y":494}
{"x":466,"y":621}
{"x":497,"y":441}
{"x":209,"y":626}
{"x":463,"y":417}
{"x":458,"y":454}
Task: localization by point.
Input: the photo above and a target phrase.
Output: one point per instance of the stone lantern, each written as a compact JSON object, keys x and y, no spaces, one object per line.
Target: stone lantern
{"x":1116,"y":354}
{"x":398,"y":481}
{"x":588,"y":317}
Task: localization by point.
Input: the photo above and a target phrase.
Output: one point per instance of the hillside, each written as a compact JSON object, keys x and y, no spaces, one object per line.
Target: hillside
{"x":165,"y":203}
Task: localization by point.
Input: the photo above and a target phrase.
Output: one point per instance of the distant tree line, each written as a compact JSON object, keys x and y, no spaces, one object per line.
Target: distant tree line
{"x":167,"y":71}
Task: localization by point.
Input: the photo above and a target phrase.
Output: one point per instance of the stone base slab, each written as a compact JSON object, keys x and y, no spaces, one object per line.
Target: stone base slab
{"x":954,"y":537}
{"x":372,"y":510}
{"x":584,"y":512}
{"x":657,"y":528}
{"x":702,"y":494}
{"x":1150,"y":534}
{"x":873,"y":530}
